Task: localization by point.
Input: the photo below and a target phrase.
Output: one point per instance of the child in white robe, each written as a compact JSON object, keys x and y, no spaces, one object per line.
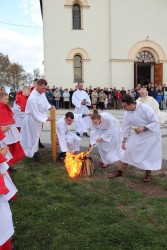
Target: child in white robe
{"x":4,"y":171}
{"x":6,"y":223}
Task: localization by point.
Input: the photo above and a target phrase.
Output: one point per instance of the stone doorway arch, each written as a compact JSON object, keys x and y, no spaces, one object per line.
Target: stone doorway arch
{"x":148,"y":59}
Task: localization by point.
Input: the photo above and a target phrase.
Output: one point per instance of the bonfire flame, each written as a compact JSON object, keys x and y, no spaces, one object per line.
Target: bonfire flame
{"x":73,"y":163}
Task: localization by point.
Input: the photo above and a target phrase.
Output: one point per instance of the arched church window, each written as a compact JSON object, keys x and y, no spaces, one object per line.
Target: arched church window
{"x":144,"y":56}
{"x":77,"y":68}
{"x":76,"y":13}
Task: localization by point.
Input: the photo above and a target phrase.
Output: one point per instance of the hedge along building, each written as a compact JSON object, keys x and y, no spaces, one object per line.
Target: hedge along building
{"x":105,"y":42}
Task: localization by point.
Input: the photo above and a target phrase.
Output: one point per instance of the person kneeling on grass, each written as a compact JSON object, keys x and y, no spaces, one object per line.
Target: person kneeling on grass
{"x":68,"y":141}
{"x":143,"y":148}
{"x":105,"y":130}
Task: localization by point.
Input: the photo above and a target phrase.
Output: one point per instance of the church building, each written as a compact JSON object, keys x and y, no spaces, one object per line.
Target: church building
{"x":106,"y":43}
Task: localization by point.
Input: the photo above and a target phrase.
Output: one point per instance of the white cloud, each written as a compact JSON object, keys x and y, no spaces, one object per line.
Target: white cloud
{"x":25,"y":45}
{"x":32,"y":8}
{"x":23,"y":49}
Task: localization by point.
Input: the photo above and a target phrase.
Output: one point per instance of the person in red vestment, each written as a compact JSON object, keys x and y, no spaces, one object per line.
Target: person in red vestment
{"x":2,"y":134}
{"x":20,"y":105}
{"x":12,"y":136}
{"x":22,"y":97}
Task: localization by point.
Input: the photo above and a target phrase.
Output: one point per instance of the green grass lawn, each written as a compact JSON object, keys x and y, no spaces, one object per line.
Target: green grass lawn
{"x":56,"y":212}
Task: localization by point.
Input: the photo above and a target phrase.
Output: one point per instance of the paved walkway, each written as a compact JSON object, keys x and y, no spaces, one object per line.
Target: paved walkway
{"x":45,"y":137}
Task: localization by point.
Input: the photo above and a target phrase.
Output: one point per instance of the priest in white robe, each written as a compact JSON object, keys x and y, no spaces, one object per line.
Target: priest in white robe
{"x":81,"y":100}
{"x":35,"y":114}
{"x":68,"y":141}
{"x":142,"y":145}
{"x":144,"y":98}
{"x":105,"y":131}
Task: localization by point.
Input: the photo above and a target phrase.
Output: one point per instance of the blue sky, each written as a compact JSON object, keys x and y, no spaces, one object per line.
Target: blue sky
{"x":22,"y":44}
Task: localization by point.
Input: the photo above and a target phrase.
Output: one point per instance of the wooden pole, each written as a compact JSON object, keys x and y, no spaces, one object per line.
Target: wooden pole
{"x":53,"y":135}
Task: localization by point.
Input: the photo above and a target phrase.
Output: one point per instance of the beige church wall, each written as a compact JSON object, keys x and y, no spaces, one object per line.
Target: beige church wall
{"x":60,"y":39}
{"x":97,"y":74}
{"x":133,"y":20}
{"x":113,"y":30}
{"x":122,"y":75}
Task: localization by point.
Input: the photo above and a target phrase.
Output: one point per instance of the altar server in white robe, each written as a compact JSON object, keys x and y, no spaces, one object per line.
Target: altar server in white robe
{"x":144,"y":98}
{"x":81,"y":100}
{"x":68,"y":141}
{"x":6,"y":222}
{"x":2,"y":141}
{"x":20,"y":105}
{"x":4,"y":172}
{"x":35,"y":114}
{"x":105,"y":131}
{"x":143,"y":147}
{"x":7,"y":190}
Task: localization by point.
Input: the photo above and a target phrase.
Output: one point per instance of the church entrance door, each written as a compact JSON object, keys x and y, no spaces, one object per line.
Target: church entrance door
{"x":146,"y":70}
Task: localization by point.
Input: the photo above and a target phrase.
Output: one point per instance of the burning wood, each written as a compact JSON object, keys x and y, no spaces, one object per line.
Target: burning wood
{"x":78,"y":164}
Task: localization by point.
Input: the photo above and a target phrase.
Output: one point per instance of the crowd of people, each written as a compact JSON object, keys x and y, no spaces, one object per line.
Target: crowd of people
{"x":21,"y":126}
{"x":105,"y":98}
{"x":102,"y":98}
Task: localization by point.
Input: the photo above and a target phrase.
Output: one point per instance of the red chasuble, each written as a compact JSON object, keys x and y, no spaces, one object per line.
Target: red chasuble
{"x":2,"y":134}
{"x":6,"y":115}
{"x":17,"y":152}
{"x":6,"y":118}
{"x":3,"y":188}
{"x":7,"y":245}
{"x":32,"y":88}
{"x":21,"y":100}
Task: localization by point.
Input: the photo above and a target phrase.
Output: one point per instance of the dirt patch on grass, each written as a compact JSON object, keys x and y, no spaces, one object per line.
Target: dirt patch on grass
{"x":126,"y":210}
{"x":19,"y":166}
{"x":147,"y":189}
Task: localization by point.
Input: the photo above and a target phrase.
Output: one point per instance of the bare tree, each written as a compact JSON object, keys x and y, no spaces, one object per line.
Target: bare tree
{"x":4,"y":70}
{"x":17,"y":74}
{"x":14,"y":75}
{"x":36,"y":73}
{"x":29,"y":79}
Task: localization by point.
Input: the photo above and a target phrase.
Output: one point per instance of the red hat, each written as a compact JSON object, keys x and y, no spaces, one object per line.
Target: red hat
{"x":3,"y":188}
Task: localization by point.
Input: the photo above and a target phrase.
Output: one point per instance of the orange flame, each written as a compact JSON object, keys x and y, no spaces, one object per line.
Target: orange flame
{"x":73,"y":163}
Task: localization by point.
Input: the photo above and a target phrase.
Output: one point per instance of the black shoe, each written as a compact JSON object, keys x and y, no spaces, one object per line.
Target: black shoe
{"x":41,"y":145}
{"x":37,"y":156}
{"x":12,"y":169}
{"x":78,"y":134}
{"x":85,"y":134}
{"x":62,"y":155}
